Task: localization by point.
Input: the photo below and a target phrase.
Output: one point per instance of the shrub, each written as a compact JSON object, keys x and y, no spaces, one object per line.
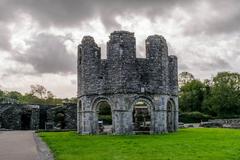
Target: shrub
{"x":193,"y":117}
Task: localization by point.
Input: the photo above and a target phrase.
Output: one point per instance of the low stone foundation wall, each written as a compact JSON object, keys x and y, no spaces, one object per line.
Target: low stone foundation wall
{"x":228,"y":123}
{"x":223,"y":123}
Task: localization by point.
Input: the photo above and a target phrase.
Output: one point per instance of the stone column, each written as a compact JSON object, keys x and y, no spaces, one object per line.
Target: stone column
{"x":122,"y":115}
{"x":79,"y":116}
{"x":176,"y":110}
{"x":122,"y":122}
{"x":160,"y":114}
{"x":88,"y":123}
{"x":88,"y":118}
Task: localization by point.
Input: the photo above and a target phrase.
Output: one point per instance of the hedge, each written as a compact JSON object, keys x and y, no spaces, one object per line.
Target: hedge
{"x":193,"y":117}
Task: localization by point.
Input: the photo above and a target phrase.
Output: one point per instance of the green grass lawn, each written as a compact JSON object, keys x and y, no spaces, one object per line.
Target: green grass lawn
{"x":186,"y":144}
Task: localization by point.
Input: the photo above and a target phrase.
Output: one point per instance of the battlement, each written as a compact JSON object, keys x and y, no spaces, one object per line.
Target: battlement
{"x":121,"y":34}
{"x":88,"y":40}
{"x":122,"y":72}
{"x":156,"y":39}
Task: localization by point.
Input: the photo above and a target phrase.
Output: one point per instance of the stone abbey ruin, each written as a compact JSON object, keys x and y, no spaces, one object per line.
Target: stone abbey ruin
{"x":15,"y":116}
{"x":140,"y":94}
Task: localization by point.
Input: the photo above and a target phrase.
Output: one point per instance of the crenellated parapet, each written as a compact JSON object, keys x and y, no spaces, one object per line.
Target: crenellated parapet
{"x":122,"y":45}
{"x":122,"y":72}
{"x":156,"y":47}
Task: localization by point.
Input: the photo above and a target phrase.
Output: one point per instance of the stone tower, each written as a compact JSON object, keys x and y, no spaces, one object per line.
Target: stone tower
{"x":141,"y":92}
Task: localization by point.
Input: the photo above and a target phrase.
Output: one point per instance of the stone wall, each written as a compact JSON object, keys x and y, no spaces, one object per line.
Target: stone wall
{"x":33,"y":117}
{"x":227,"y":123}
{"x":63,"y":117}
{"x":122,"y":79}
{"x":12,"y":116}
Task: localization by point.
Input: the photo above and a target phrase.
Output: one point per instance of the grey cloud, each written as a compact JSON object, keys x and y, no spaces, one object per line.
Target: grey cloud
{"x":7,"y":11}
{"x":48,"y":54}
{"x":68,"y":13}
{"x":214,"y":63}
{"x":222,"y":17}
{"x":183,"y":67}
{"x":73,"y":81}
{"x":5,"y":36}
{"x":73,"y":12}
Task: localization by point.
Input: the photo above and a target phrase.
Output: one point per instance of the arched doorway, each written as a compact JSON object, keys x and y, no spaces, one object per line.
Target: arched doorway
{"x":59,"y":120}
{"x":26,"y":120}
{"x":141,"y":116}
{"x":170,"y":116}
{"x":104,"y":117}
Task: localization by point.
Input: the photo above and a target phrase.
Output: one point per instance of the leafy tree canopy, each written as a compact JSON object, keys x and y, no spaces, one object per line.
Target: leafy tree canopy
{"x":38,"y":95}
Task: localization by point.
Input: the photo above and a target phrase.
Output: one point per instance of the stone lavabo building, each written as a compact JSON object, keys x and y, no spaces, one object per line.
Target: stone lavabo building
{"x":141,"y":92}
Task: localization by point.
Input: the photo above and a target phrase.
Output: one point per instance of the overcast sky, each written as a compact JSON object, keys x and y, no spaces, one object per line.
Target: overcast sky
{"x":38,"y":38}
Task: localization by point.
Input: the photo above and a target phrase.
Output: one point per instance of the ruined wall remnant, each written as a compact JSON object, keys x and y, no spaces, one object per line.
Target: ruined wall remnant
{"x":34,"y":117}
{"x":19,"y":117}
{"x":122,"y":80}
{"x":63,"y":117}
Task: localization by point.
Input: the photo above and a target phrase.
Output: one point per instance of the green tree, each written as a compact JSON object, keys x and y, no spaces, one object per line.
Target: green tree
{"x":224,"y":98}
{"x":2,"y":96}
{"x":14,"y":95}
{"x":191,"y":96}
{"x":29,"y":98}
{"x":1,"y":93}
{"x":38,"y":95}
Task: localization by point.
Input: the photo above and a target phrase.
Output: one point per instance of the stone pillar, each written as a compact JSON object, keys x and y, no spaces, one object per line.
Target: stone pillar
{"x":87,"y":118}
{"x":122,"y":115}
{"x":160,"y":114}
{"x":79,"y":116}
{"x":176,"y":111}
{"x":122,"y":122}
{"x":88,"y":123}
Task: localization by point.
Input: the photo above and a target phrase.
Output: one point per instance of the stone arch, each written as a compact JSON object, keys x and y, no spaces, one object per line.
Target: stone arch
{"x":171,"y":114}
{"x":103,"y":125}
{"x":59,"y":119}
{"x":142,"y":115}
{"x":146,"y":99}
{"x":101,"y":99}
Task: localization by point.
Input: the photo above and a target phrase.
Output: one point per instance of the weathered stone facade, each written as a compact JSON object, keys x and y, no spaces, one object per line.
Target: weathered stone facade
{"x":63,"y":117}
{"x":19,"y":117}
{"x":33,"y":117}
{"x":122,"y":80}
